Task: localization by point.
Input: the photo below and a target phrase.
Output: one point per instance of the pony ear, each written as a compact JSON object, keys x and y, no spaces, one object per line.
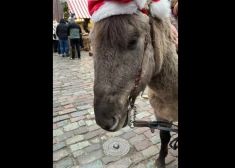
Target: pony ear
{"x":160,"y":9}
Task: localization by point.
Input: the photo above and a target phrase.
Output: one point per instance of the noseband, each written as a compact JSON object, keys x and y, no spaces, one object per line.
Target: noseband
{"x":131,"y":100}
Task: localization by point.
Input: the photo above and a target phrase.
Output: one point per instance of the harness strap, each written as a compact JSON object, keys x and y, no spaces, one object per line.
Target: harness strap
{"x":176,"y":142}
{"x":155,"y":125}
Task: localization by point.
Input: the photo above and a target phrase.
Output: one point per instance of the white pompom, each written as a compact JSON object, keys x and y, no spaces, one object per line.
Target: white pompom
{"x":160,"y":9}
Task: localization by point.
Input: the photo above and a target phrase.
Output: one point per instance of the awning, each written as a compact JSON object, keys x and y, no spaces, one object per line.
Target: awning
{"x":79,"y":7}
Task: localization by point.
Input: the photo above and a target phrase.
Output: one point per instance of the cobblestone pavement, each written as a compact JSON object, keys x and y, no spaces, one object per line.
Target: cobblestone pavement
{"x":78,"y":140}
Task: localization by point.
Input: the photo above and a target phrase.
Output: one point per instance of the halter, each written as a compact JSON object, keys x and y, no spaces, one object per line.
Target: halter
{"x":131,"y":100}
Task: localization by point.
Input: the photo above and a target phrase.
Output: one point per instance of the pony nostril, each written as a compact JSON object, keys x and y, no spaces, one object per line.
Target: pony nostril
{"x":115,"y":123}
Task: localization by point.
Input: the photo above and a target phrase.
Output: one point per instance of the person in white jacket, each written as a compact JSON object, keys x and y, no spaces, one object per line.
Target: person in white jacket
{"x":55,"y":38}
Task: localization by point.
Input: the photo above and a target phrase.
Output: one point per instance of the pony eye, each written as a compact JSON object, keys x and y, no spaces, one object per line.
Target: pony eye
{"x":132,"y":42}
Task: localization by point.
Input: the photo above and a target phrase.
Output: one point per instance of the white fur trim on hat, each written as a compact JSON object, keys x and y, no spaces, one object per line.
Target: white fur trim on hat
{"x":160,"y":9}
{"x":140,"y":3}
{"x":110,"y":8}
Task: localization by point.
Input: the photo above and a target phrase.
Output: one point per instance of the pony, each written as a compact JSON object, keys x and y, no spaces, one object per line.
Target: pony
{"x":129,"y":48}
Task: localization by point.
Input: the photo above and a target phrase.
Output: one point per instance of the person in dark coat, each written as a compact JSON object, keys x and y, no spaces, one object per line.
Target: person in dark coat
{"x":75,"y":33}
{"x":62,"y":33}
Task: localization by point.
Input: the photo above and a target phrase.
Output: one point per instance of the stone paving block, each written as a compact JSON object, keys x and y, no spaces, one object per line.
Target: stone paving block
{"x":92,"y":148}
{"x":155,"y":139}
{"x":93,"y":128}
{"x":122,"y":163}
{"x":60,"y":118}
{"x":81,"y":123}
{"x":74,"y":139}
{"x":95,"y":155}
{"x":55,"y":114}
{"x":136,"y":158}
{"x":150,"y":151}
{"x":145,"y":119}
{"x":90,"y":116}
{"x":55,"y":92}
{"x":174,"y":152}
{"x":71,"y":126}
{"x":64,"y":103}
{"x":108,"y":159}
{"x":58,"y":146}
{"x":94,"y":164}
{"x":127,"y":129}
{"x":64,"y":136}
{"x":54,"y":126}
{"x":79,"y":113}
{"x":64,"y":97}
{"x":137,"y":139}
{"x":93,"y":134}
{"x":84,"y":107}
{"x":114,"y":134}
{"x":81,"y":130}
{"x":142,"y":145}
{"x":89,"y":122}
{"x":78,"y":153}
{"x":169,"y":159}
{"x":56,"y":105}
{"x":80,"y":103}
{"x":174,"y":136}
{"x":95,"y":140}
{"x":54,"y":141}
{"x":152,"y":118}
{"x":91,"y":110}
{"x":88,"y":88}
{"x":173,"y":164}
{"x":77,"y":119}
{"x":60,"y":154}
{"x":57,"y":109}
{"x":150,"y":164}
{"x":141,"y":165}
{"x":79,"y":93}
{"x":142,"y":115}
{"x":64,"y":164}
{"x":66,"y":111}
{"x":69,"y":106}
{"x":149,"y":134}
{"x":128,"y":135}
{"x":62,"y":123}
{"x":141,"y":130}
{"x":84,"y":98}
{"x":79,"y":145}
{"x":57,"y":132}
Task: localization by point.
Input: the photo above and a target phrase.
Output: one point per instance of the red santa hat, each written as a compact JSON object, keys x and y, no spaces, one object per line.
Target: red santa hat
{"x":100,"y":9}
